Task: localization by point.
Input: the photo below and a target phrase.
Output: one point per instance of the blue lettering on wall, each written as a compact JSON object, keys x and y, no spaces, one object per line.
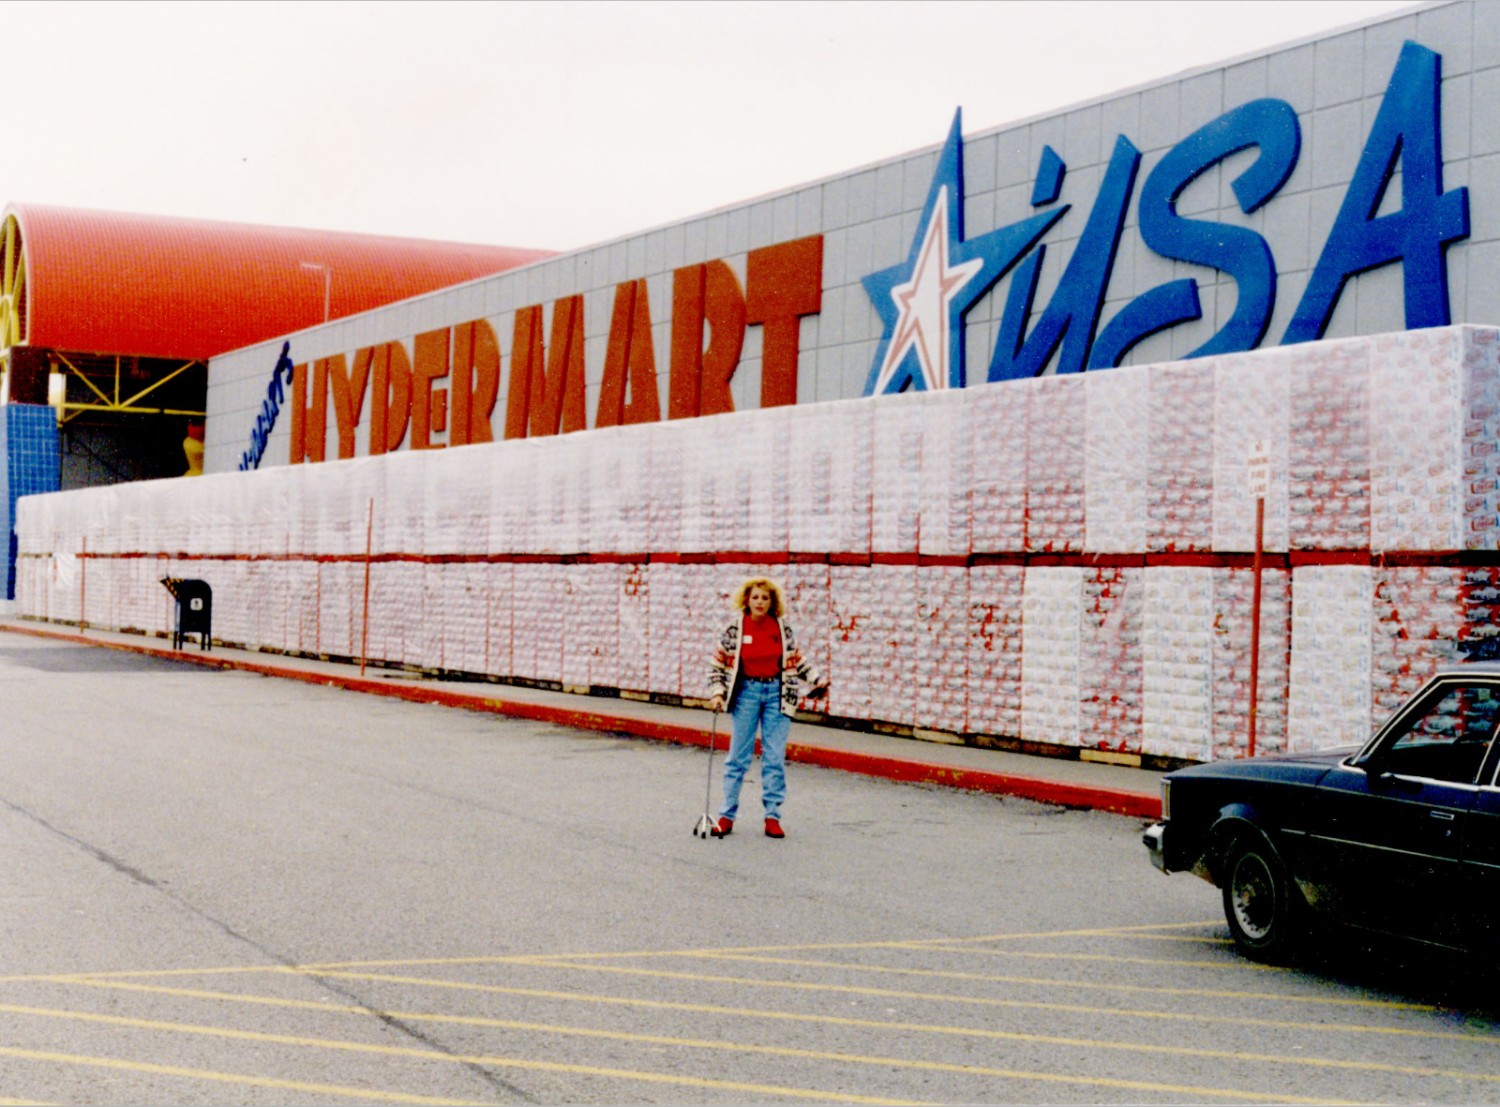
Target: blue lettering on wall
{"x":1270,"y":125}
{"x":1073,"y":312}
{"x":1406,"y":129}
{"x":270,"y":407}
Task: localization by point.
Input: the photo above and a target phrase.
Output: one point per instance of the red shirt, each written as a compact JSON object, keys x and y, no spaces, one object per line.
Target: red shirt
{"x":760,"y":647}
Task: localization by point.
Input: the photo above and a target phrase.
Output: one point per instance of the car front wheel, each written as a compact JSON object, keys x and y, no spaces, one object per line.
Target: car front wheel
{"x":1260,"y":903}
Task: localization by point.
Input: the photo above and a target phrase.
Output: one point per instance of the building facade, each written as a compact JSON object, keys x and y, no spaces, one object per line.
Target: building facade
{"x":988,"y":409}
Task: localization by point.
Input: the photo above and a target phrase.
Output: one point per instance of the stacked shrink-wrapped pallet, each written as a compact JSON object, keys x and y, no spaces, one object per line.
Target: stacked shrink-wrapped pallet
{"x":1063,"y":561}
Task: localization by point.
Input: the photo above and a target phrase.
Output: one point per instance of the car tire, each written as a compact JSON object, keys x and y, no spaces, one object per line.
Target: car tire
{"x":1262,"y":906}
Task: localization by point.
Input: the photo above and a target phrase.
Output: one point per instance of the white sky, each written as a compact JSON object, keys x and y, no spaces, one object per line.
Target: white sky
{"x":551,"y":124}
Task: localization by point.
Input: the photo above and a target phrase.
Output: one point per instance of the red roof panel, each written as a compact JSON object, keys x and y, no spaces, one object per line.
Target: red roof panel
{"x":157,"y":286}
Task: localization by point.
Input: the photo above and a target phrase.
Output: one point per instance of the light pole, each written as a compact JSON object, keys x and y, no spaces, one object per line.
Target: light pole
{"x":327,"y":283}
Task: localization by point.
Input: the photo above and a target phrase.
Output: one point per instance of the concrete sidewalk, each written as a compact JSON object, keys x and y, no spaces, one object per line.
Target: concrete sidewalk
{"x":1057,"y":780}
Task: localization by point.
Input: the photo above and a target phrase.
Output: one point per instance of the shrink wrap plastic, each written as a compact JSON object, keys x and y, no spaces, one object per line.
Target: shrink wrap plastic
{"x":667,"y":634}
{"x":1328,"y":472}
{"x":944,"y":485}
{"x":940,"y":674}
{"x":853,"y":648}
{"x":501,"y":596}
{"x":1480,"y":456}
{"x":896,"y":463}
{"x":537,"y":636}
{"x":1479,"y":610}
{"x":1115,"y":451}
{"x":1252,"y":402}
{"x":1416,"y":439}
{"x":1180,"y":453}
{"x":755,"y":454}
{"x":555,"y":496}
{"x":633,"y":648}
{"x":1178,"y":656}
{"x":829,"y":477}
{"x":1329,"y":703}
{"x":892,"y":642}
{"x":998,"y":466}
{"x":1052,"y":607}
{"x":994,"y":660}
{"x":584,"y":623}
{"x":667,"y":491}
{"x":1056,"y":467}
{"x":1421,"y":618}
{"x":1111,"y":669}
{"x":807,"y":600}
{"x":1377,"y":444}
{"x":1234,"y":599}
{"x":625,"y":482}
{"x":704,"y":448}
{"x":706,"y":611}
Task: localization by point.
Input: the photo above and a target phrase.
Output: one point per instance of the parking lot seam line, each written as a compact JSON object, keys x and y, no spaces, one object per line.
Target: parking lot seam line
{"x":366,"y":1094}
{"x":481,"y":1060}
{"x":891,"y":1026}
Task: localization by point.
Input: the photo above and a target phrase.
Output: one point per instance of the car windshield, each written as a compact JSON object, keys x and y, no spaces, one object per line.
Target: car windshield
{"x":1447,"y":738}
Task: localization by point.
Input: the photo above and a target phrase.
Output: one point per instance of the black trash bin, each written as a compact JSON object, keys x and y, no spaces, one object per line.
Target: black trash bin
{"x":195,"y":610}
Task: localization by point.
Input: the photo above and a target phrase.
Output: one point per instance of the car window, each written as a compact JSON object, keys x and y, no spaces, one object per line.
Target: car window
{"x":1448,"y":739}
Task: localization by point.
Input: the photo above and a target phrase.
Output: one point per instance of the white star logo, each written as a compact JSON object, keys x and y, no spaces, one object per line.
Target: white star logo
{"x":922,"y":303}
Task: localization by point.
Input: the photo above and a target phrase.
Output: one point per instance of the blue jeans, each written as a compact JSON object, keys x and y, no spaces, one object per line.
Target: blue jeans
{"x":757,"y":704}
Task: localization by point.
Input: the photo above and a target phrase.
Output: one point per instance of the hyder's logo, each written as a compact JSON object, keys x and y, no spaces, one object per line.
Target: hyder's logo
{"x":923,"y":301}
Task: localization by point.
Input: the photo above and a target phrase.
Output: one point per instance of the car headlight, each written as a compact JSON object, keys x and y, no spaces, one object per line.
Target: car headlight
{"x":1166,"y":799}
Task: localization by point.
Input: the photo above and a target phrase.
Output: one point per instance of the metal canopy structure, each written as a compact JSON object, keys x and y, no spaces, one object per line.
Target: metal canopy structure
{"x":111,"y":317}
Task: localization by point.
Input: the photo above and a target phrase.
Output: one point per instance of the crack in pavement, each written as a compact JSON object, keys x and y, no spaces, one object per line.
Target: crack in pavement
{"x":345,"y":991}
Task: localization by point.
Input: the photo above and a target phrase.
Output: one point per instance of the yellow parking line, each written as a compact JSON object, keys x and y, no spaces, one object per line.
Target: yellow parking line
{"x":783,"y":1016}
{"x":979,"y":1001}
{"x":689,"y":1043}
{"x":1234,"y":965}
{"x":523,"y":958}
{"x":996,"y":978}
{"x":366,"y":1094}
{"x":392,"y":1051}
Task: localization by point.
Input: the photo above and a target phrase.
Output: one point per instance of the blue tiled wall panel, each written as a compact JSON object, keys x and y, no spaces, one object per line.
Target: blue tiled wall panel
{"x":28,"y":445}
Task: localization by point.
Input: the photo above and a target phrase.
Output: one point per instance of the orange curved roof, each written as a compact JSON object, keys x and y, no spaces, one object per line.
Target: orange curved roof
{"x":157,"y":286}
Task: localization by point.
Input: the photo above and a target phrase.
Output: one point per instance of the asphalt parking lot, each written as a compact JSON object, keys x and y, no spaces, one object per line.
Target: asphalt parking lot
{"x":224,"y":888}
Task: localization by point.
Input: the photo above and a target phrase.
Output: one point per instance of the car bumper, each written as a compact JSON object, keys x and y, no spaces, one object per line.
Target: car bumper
{"x":1155,"y":840}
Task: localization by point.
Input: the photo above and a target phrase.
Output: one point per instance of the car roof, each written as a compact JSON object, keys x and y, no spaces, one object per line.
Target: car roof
{"x":1469,"y":669}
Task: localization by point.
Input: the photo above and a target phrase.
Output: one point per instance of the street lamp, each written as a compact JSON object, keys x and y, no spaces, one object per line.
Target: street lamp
{"x":327,"y":283}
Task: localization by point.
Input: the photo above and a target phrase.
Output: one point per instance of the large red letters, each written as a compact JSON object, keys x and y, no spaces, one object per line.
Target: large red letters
{"x":450,"y":381}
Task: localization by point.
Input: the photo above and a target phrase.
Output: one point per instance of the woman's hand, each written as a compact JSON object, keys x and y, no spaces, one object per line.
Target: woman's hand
{"x":716,"y":704}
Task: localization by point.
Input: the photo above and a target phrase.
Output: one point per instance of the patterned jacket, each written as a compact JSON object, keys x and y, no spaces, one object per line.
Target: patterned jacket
{"x":724,"y":669}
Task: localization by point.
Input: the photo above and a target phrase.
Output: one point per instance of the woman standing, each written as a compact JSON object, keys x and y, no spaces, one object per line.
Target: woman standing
{"x":755,"y":671}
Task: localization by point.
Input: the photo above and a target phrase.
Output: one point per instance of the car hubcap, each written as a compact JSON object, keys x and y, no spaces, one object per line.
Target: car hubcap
{"x":1254,"y":898}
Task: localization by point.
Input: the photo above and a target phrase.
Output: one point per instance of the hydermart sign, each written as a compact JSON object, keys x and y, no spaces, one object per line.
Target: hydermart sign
{"x":444,"y":386}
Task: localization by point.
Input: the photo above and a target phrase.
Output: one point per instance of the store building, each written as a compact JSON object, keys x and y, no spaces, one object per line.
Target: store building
{"x":987,"y":408}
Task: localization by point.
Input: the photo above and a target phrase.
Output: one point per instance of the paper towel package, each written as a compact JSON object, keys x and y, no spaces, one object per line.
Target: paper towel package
{"x":1062,"y":560}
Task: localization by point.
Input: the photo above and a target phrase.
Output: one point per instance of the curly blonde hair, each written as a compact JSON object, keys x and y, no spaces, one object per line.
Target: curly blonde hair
{"x":742,"y":596}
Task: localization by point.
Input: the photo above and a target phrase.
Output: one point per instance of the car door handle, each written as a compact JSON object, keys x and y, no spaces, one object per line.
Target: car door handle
{"x":1446,"y":816}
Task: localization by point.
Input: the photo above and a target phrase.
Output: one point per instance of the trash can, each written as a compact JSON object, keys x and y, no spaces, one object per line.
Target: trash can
{"x":195,"y":610}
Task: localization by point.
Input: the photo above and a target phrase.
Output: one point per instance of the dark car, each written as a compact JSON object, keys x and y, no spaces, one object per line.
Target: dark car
{"x":1400,"y":835}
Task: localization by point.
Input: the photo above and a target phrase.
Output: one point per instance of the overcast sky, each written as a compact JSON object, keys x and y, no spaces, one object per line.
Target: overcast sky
{"x":551,"y":124}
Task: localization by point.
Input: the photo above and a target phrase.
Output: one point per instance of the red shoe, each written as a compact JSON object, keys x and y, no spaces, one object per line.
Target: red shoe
{"x":773,"y":829}
{"x":722,"y":828}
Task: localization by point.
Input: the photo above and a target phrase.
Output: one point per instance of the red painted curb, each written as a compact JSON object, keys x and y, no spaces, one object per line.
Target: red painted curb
{"x":889,"y":768}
